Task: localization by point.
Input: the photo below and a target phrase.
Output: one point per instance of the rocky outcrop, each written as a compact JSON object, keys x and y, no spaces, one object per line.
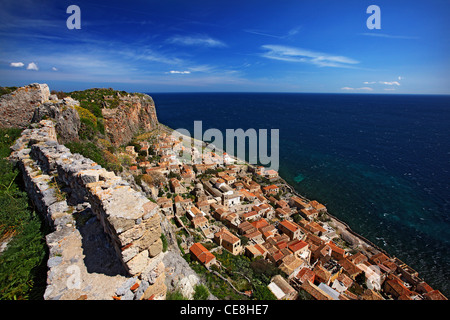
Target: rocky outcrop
{"x":66,"y":117}
{"x":63,"y":186}
{"x":17,"y":108}
{"x":135,"y":113}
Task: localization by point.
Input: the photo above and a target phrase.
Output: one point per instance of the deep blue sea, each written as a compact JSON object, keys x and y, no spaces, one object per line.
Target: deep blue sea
{"x":381,"y":163}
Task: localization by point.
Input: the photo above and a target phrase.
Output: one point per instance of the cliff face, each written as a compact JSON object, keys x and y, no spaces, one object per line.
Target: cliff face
{"x":17,"y":108}
{"x":135,"y":113}
{"x":124,"y":115}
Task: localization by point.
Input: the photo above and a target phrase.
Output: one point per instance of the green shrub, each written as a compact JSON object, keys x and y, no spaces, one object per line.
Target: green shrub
{"x":7,"y":90}
{"x":164,"y":242}
{"x":200,"y":292}
{"x":175,"y":295}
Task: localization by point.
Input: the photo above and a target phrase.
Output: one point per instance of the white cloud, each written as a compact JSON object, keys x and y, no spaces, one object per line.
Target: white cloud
{"x":179,"y":72}
{"x":54,"y":69}
{"x":390,"y":83}
{"x":400,"y":78}
{"x":389,"y":36}
{"x":204,"y":41}
{"x":32,"y":66}
{"x":16,"y":64}
{"x":369,"y":82}
{"x":291,"y":54}
{"x":362,"y":88}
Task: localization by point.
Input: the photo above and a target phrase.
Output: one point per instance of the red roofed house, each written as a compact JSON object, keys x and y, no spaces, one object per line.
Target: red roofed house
{"x":395,"y":287}
{"x":290,"y":228}
{"x":271,"y":174}
{"x":305,"y":274}
{"x":255,"y":250}
{"x":272,"y":189}
{"x":228,"y":240}
{"x":318,"y":206}
{"x":199,"y":252}
{"x":298,"y":246}
{"x":336,"y":252}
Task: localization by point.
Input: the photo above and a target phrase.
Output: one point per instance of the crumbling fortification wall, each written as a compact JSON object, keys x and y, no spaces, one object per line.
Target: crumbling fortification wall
{"x":63,"y":186}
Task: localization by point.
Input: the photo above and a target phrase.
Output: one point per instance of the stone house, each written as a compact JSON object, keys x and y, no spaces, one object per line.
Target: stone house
{"x":290,"y":228}
{"x":228,"y":241}
{"x":282,"y":289}
{"x":176,"y":186}
{"x":201,"y":254}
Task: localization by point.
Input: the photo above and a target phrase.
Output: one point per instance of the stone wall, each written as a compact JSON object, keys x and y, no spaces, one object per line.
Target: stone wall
{"x":63,"y":186}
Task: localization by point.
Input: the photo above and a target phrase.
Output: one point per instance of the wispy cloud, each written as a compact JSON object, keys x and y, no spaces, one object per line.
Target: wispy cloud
{"x":178,"y":72}
{"x":389,"y":36}
{"x":357,"y":89}
{"x":290,"y":33}
{"x":291,"y":54}
{"x":203,"y":41}
{"x":16,"y":64}
{"x":390,"y":83}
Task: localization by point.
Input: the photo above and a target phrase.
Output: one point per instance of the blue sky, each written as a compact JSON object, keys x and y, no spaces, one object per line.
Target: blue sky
{"x":215,"y":46}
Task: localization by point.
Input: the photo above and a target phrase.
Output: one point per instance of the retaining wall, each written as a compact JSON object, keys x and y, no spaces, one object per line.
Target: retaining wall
{"x":61,"y":185}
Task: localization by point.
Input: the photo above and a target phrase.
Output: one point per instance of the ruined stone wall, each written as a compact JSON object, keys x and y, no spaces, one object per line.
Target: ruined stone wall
{"x":62,"y":186}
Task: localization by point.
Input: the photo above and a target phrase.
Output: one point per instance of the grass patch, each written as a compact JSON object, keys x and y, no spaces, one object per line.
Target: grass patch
{"x":7,"y":90}
{"x":22,"y":264}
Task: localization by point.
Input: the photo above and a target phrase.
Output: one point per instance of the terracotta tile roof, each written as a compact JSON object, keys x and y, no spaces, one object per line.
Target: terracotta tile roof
{"x":196,"y":211}
{"x":261,"y":223}
{"x":346,"y":281}
{"x":277,"y":256}
{"x":397,"y":286}
{"x":297,"y":245}
{"x":281,"y":244}
{"x":435,"y":295}
{"x":202,"y":254}
{"x":254,"y":234}
{"x":291,"y":226}
{"x":270,"y":188}
{"x":349,"y":267}
{"x":358,"y":258}
{"x":336,"y":249}
{"x":261,"y":248}
{"x":246,"y":226}
{"x":305,"y":274}
{"x":250,"y":214}
{"x":322,"y":273}
{"x":379,"y":258}
{"x":316,"y":205}
{"x":227,"y":236}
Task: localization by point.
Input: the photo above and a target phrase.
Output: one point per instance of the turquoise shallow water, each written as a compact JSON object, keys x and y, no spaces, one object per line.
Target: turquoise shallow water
{"x":379,"y":162}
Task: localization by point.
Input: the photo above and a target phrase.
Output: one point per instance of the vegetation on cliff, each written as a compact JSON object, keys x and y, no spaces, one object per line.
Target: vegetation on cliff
{"x":6,"y":90}
{"x":93,"y":142}
{"x":22,"y":263}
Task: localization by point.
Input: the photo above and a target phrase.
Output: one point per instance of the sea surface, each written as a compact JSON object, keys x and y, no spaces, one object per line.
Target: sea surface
{"x":381,"y":163}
